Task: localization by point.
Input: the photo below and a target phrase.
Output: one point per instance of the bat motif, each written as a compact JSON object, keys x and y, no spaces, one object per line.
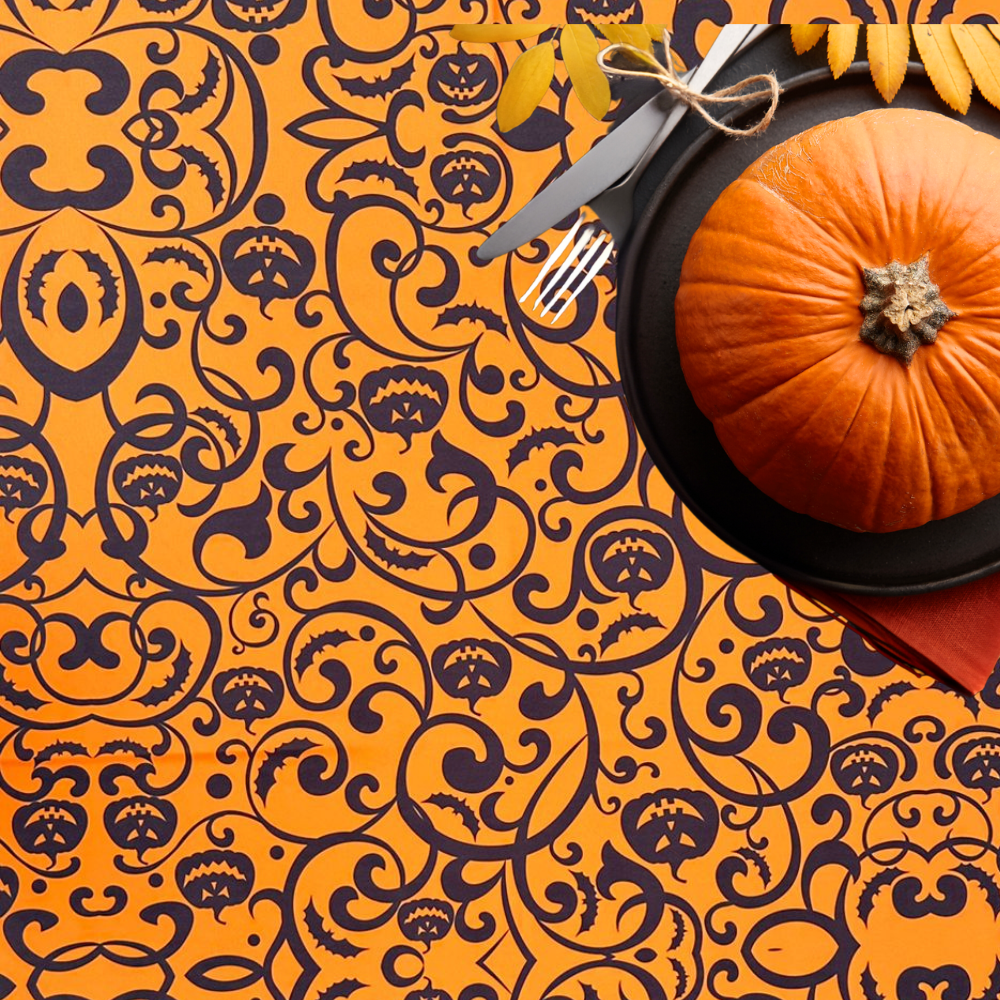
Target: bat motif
{"x":589,"y":993}
{"x":60,"y":747}
{"x":620,"y":626}
{"x":458,"y":806}
{"x":34,"y":299}
{"x":396,"y":79}
{"x":992,"y":991}
{"x":941,"y":10}
{"x":48,"y":5}
{"x":173,"y":682}
{"x":886,"y":694}
{"x":970,"y":701}
{"x":867,"y":900}
{"x":364,"y":170}
{"x":985,"y":881}
{"x":341,"y":989}
{"x":588,"y":893}
{"x":682,"y":977}
{"x":325,"y":640}
{"x":680,"y":930}
{"x":208,"y":170}
{"x":276,"y":759}
{"x":758,"y":861}
{"x":163,"y":6}
{"x":391,"y":556}
{"x":868,"y":985}
{"x":324,"y":938}
{"x":177,"y":255}
{"x":228,"y":428}
{"x":535,"y":440}
{"x":98,"y":266}
{"x":125,"y":746}
{"x":205,"y":89}
{"x":13,"y":694}
{"x":454,"y":315}
{"x":864,"y":10}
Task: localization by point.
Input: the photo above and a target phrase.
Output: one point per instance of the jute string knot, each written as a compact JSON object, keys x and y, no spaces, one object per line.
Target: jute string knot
{"x":651,"y":67}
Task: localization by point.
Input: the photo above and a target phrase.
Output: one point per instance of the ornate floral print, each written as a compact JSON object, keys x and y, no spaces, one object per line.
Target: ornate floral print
{"x":350,"y":646}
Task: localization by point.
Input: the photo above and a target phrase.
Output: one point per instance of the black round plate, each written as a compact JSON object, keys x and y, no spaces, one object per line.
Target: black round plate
{"x":682,"y":182}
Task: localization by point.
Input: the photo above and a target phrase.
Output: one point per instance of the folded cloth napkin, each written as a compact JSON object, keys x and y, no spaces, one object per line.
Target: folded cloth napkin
{"x":953,"y":633}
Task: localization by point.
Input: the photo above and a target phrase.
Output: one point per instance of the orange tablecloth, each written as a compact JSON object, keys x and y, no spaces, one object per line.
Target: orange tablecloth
{"x":349,"y":645}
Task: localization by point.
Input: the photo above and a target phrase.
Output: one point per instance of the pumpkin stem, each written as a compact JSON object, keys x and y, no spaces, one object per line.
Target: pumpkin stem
{"x":902,"y":307}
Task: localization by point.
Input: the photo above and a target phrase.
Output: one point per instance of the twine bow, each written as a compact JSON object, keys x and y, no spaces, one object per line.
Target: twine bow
{"x":667,"y":75}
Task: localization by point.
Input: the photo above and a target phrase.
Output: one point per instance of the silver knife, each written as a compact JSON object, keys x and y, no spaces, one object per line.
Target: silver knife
{"x":611,"y":158}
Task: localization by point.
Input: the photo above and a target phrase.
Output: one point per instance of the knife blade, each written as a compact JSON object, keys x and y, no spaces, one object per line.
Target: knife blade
{"x":611,"y":158}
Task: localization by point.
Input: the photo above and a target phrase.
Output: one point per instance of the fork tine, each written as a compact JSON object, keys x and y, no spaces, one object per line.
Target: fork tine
{"x":595,"y":267}
{"x":552,"y":258}
{"x":570,"y":257}
{"x":553,"y":298}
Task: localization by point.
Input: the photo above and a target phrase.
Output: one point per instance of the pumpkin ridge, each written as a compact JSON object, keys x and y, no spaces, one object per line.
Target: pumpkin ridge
{"x":874,"y":153}
{"x":965,"y":374}
{"x":713,"y":230}
{"x":935,"y":432}
{"x":780,"y":444}
{"x":843,"y":441}
{"x":876,"y":503}
{"x":791,"y":204}
{"x":798,"y":293}
{"x":774,"y":388}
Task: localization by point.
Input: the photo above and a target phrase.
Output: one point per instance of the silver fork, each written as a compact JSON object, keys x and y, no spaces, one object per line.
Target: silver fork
{"x":615,"y":211}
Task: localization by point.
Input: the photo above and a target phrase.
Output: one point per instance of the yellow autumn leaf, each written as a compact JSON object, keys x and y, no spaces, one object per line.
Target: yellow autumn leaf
{"x":888,"y":52}
{"x":526,"y":85}
{"x":805,"y":36}
{"x":841,"y":45}
{"x":579,"y":52}
{"x":995,"y":29}
{"x":944,"y":63}
{"x":497,"y":32}
{"x":627,"y":34}
{"x":655,"y":31}
{"x":982,"y":55}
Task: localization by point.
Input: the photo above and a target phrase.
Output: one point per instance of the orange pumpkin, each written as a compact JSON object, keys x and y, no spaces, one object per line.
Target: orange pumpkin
{"x":838,"y":320}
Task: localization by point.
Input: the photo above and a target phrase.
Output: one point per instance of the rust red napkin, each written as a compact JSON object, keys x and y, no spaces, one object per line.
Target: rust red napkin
{"x":954,"y":633}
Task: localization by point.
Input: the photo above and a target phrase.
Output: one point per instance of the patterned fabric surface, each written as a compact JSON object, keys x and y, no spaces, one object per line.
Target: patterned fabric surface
{"x":349,"y":644}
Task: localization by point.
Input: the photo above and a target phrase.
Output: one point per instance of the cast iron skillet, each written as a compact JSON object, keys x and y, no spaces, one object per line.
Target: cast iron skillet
{"x":682,"y":182}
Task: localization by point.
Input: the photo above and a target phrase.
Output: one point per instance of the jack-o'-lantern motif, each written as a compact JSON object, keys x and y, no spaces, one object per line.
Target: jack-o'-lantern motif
{"x":248,"y":693}
{"x":148,"y":480}
{"x":671,"y":825}
{"x":462,"y":79}
{"x":632,"y":560}
{"x":22,"y":483}
{"x":864,"y":769}
{"x":9,"y":885}
{"x":977,"y":763}
{"x":471,"y":669}
{"x":426,"y":920}
{"x":777,"y":664}
{"x":140,"y":822}
{"x":466,"y":177}
{"x":213,"y":880}
{"x":50,"y":827}
{"x":428,"y":992}
{"x":267,"y":263}
{"x":403,"y":399}
{"x":604,"y":11}
{"x":257,"y":15}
